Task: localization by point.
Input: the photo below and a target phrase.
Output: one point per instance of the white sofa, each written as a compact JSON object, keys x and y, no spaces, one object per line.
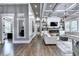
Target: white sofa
{"x":48,"y":39}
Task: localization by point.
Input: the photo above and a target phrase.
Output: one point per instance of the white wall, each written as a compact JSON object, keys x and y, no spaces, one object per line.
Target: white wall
{"x":0,"y":29}
{"x":31,"y":19}
{"x":53,"y":19}
{"x":30,"y":26}
{"x":16,"y":9}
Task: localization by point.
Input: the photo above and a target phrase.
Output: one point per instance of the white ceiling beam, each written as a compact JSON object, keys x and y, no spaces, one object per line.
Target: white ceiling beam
{"x":72,"y":6}
{"x":68,"y":9}
{"x":44,"y":9}
{"x":48,"y":11}
{"x":57,"y":4}
{"x":31,"y":9}
{"x":74,"y":15}
{"x":63,"y":11}
{"x":41,"y":10}
{"x":44,"y":6}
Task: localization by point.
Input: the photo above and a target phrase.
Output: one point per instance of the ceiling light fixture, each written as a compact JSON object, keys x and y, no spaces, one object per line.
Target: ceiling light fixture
{"x":35,"y":6}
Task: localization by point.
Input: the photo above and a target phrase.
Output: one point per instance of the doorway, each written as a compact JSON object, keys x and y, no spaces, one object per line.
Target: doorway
{"x":7,"y":27}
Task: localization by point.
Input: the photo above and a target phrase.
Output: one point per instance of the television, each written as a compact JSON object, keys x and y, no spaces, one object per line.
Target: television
{"x":53,"y":23}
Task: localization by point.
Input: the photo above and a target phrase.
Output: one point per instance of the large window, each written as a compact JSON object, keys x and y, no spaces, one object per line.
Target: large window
{"x":74,"y":26}
{"x":78,"y":25}
{"x":67,"y":26}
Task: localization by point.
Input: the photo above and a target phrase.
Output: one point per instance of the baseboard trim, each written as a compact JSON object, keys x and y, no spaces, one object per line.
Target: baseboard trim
{"x":17,"y":42}
{"x":50,"y":44}
{"x":24,"y":42}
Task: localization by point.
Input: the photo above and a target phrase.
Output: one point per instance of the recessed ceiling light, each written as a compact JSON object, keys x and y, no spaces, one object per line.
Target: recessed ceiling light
{"x":35,"y":6}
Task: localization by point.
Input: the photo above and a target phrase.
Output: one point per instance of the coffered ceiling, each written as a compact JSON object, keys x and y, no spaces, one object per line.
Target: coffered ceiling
{"x":36,"y":9}
{"x":54,"y":9}
{"x":59,"y":9}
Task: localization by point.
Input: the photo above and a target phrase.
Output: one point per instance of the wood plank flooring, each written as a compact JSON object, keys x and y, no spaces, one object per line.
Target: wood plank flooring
{"x":35,"y":48}
{"x":0,"y":48}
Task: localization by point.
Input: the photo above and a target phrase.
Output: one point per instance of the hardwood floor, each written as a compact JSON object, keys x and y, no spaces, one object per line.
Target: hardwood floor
{"x":0,"y":48}
{"x":35,"y":48}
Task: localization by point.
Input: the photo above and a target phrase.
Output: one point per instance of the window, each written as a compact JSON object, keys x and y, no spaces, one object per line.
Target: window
{"x":74,"y":26}
{"x":78,"y":25}
{"x":67,"y":26}
{"x":8,"y":27}
{"x":71,"y":26}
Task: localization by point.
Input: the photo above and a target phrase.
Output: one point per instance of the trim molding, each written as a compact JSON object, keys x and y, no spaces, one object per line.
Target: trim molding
{"x":27,"y":41}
